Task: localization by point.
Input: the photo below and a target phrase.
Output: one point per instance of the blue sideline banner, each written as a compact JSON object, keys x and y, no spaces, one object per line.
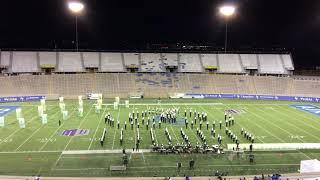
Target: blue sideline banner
{"x":21,"y":98}
{"x":258,"y":97}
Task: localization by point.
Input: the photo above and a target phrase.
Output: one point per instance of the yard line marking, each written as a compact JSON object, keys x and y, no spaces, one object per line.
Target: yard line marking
{"x":55,"y":164}
{"x":115,"y":130}
{"x":19,"y":128}
{"x":270,"y":122}
{"x":316,"y":120}
{"x":298,"y":126}
{"x":54,"y":133}
{"x":28,"y":138}
{"x":264,"y":129}
{"x":55,"y":114}
{"x":193,"y":133}
{"x":135,"y":136}
{"x":261,"y":117}
{"x":237,"y":124}
{"x":172,"y":128}
{"x":95,"y":133}
{"x":144,"y":160}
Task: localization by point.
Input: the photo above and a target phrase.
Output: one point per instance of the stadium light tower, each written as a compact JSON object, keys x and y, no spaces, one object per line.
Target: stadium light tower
{"x":227,"y":11}
{"x":76,"y":7}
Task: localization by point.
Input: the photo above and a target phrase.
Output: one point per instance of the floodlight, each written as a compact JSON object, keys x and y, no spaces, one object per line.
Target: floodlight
{"x":227,"y":10}
{"x":75,"y":6}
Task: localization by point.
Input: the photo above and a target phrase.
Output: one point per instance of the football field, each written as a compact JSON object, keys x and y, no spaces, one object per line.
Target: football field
{"x":74,"y":149}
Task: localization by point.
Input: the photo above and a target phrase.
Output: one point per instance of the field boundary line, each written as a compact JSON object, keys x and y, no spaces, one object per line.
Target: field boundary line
{"x":211,"y":165}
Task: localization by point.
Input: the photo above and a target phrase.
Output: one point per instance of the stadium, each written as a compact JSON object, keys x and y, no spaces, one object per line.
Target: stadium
{"x":157,"y":114}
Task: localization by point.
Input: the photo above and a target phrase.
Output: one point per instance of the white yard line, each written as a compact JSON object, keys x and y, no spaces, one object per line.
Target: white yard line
{"x":193,"y":133}
{"x":238,"y":123}
{"x":273,"y":124}
{"x":172,"y":128}
{"x":19,"y":128}
{"x":28,"y":138}
{"x":115,"y":129}
{"x":55,"y":164}
{"x":264,"y":129}
{"x":277,"y":136}
{"x":95,"y":133}
{"x":55,"y":114}
{"x":55,"y":132}
{"x":297,"y":127}
{"x":292,"y":109}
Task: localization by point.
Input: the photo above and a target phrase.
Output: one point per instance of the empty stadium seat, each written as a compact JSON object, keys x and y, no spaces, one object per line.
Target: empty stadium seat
{"x":111,"y":62}
{"x":190,"y":63}
{"x":48,"y":59}
{"x":90,"y":59}
{"x":5,"y":58}
{"x":230,"y":63}
{"x":271,"y":64}
{"x":70,"y":62}
{"x":209,"y":60}
{"x":151,"y":62}
{"x":249,"y":61}
{"x":170,"y":59}
{"x":24,"y":62}
{"x":131,"y":59}
{"x":153,"y":85}
{"x":287,"y":62}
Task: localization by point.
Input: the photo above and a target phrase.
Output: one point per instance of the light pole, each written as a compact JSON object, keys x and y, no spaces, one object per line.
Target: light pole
{"x":76,"y":8}
{"x":227,"y":11}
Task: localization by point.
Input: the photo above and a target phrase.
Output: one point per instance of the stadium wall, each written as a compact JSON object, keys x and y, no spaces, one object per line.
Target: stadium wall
{"x":153,"y":85}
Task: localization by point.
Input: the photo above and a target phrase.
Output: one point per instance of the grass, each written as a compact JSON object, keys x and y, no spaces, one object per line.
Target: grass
{"x":37,"y":149}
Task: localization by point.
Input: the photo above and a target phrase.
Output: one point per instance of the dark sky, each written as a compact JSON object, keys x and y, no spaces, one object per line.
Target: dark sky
{"x":128,"y":24}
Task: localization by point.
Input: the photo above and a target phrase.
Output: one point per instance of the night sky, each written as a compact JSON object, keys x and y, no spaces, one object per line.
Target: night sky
{"x":292,"y":25}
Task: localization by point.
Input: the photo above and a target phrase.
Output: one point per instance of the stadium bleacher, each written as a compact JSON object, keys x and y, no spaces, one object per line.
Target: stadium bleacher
{"x":154,"y":84}
{"x":274,"y":64}
{"x":190,"y":63}
{"x":91,"y":59}
{"x":70,"y":62}
{"x":151,"y":62}
{"x":48,"y":59}
{"x":24,"y":62}
{"x":5,"y":58}
{"x":249,"y":61}
{"x":170,"y":59}
{"x":111,"y":62}
{"x":271,"y":64}
{"x":131,"y":59}
{"x":209,"y":60}
{"x":287,"y":62}
{"x":230,"y":63}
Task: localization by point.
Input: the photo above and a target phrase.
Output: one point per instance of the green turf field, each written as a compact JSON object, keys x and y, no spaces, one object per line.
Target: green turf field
{"x":40,"y":149}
